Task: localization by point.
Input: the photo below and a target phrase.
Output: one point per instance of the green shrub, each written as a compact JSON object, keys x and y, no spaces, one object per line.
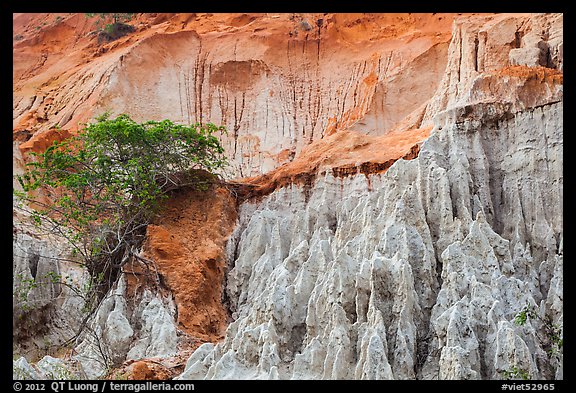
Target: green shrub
{"x":105,"y":185}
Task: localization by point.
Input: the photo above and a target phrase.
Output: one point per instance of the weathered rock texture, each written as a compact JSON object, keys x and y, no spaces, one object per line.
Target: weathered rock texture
{"x":166,"y":303}
{"x":46,"y":309}
{"x":277,"y":82}
{"x":404,"y":201}
{"x":47,"y":368}
{"x":191,"y":262}
{"x":126,"y":327}
{"x":419,"y":272}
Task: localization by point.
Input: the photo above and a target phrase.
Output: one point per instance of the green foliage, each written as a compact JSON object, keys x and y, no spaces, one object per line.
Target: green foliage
{"x":552,"y":340}
{"x":112,"y":25}
{"x":118,"y":17}
{"x":516,"y":373}
{"x":106,"y":184}
{"x":25,"y":285}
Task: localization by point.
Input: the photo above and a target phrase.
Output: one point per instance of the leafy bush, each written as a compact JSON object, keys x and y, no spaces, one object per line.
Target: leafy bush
{"x":105,"y":185}
{"x":552,"y":340}
{"x":516,"y":373}
{"x":112,"y":25}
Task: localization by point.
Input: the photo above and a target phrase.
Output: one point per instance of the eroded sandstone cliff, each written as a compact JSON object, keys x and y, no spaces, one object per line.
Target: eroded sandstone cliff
{"x":419,"y":277}
{"x":277,"y":82}
{"x":404,"y":201}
